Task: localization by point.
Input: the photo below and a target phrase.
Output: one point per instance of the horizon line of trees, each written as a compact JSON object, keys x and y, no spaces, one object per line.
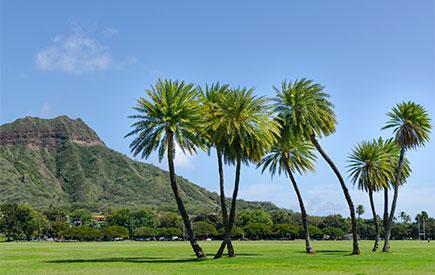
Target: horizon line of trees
{"x":279,"y":135}
{"x":22,"y":222}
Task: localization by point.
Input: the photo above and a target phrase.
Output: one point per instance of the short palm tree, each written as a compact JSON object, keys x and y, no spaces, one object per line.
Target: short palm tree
{"x":309,"y":113}
{"x":411,"y":125}
{"x":360,"y":210}
{"x":211,"y":95}
{"x":171,"y":114}
{"x":290,"y":154}
{"x":245,"y":130}
{"x":369,"y":168}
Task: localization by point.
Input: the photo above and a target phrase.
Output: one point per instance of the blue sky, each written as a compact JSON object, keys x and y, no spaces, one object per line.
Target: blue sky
{"x":92,"y":59}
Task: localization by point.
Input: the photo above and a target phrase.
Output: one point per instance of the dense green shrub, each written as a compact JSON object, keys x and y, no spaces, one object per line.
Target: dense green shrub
{"x":315,"y":232}
{"x":258,"y":231}
{"x":204,"y":230}
{"x":145,"y":232}
{"x":287,"y":231}
{"x":254,"y":216}
{"x":114,"y":231}
{"x":81,"y":233}
{"x":236,"y":233}
{"x":170,"y":232}
{"x":132,"y":219}
{"x":333,"y":232}
{"x":20,"y":221}
{"x":170,"y":219}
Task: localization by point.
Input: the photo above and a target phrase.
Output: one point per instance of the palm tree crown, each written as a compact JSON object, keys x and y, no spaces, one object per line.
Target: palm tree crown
{"x":306,"y":108}
{"x":410,"y":123}
{"x":370,"y":165}
{"x":289,"y":152}
{"x":210,"y":97}
{"x":373,"y":164}
{"x":172,"y":106}
{"x":242,"y":125}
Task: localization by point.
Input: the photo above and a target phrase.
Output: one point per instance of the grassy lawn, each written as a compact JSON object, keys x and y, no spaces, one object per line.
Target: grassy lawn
{"x":254,"y":257}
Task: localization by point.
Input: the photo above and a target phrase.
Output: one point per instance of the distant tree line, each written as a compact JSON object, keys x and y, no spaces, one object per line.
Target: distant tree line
{"x":22,"y":222}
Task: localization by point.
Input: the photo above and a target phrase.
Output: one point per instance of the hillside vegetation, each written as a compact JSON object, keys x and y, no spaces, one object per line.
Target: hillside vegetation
{"x":63,"y":162}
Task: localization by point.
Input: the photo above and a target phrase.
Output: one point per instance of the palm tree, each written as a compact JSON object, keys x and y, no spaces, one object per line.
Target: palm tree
{"x":404,"y":217}
{"x":246,"y":131}
{"x":393,"y":151}
{"x":289,"y":155}
{"x":308,"y":111}
{"x":370,"y":167}
{"x":360,"y":210}
{"x":171,"y":114}
{"x":210,"y":97}
{"x":411,"y":125}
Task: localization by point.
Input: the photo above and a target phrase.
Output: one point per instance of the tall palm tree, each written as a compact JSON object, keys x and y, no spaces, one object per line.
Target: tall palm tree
{"x":171,"y":114}
{"x":369,"y":168}
{"x":244,"y":126}
{"x":289,"y":155}
{"x":310,"y":114}
{"x":411,"y":125}
{"x":211,"y":95}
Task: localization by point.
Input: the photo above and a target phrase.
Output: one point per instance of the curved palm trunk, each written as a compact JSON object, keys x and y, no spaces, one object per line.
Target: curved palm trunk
{"x":308,"y":247}
{"x":232,"y":216}
{"x":223,"y":205}
{"x":389,"y":223}
{"x":375,"y":220}
{"x":195,"y":246}
{"x":355,"y":250}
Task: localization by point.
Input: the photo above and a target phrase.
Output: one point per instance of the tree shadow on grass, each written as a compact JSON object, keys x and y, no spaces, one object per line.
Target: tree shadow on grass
{"x":128,"y":259}
{"x":335,"y":252}
{"x":140,"y":259}
{"x":238,"y":255}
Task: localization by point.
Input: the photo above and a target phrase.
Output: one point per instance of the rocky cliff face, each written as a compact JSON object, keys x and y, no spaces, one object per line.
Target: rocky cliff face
{"x":49,"y":133}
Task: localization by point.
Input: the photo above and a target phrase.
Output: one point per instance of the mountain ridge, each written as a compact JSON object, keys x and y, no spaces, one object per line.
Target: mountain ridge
{"x":62,"y":161}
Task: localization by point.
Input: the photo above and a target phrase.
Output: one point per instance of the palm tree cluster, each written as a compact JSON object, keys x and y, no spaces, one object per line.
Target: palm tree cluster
{"x":278,"y":135}
{"x":381,"y":164}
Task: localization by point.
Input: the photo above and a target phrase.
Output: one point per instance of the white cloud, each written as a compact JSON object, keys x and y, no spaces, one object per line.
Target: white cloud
{"x":78,"y":53}
{"x":182,"y":160}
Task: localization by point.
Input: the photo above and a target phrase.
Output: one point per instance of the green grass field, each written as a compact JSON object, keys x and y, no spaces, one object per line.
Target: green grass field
{"x":254,"y":257}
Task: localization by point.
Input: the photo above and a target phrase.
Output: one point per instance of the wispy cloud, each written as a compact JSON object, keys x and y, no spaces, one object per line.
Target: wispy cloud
{"x":79,"y":53}
{"x":45,"y":109}
{"x":329,"y":199}
{"x":109,"y":32}
{"x":182,"y":160}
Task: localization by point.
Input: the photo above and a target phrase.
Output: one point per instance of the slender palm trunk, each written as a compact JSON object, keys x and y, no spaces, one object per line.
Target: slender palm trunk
{"x":375,"y":221}
{"x":195,"y":246}
{"x":396,"y":184}
{"x":355,"y":250}
{"x":223,"y":206}
{"x":385,"y":221}
{"x":232,"y":216}
{"x":308,"y":247}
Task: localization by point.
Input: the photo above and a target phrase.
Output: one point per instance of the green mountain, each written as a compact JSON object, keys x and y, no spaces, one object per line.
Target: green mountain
{"x":63,"y":162}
